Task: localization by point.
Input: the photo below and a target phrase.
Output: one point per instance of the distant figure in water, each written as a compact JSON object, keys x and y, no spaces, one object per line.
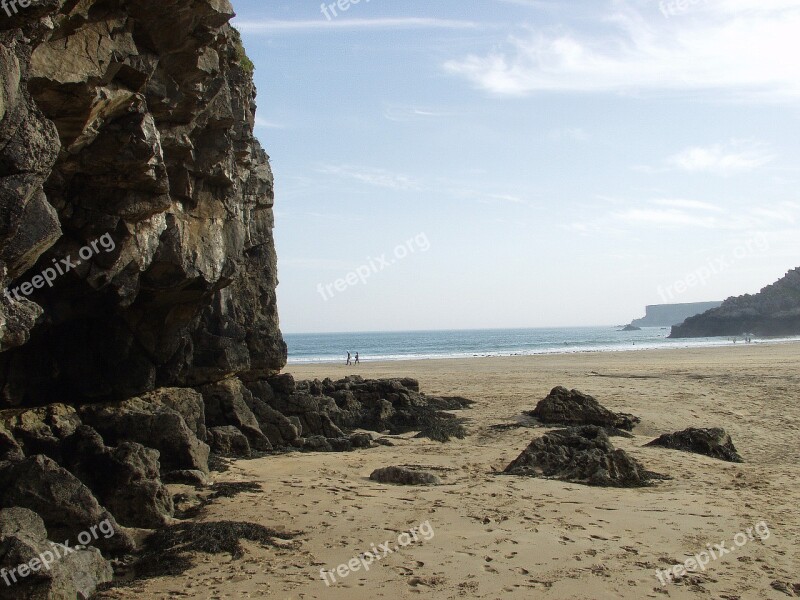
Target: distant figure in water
{"x":349,"y":361}
{"x":357,"y":359}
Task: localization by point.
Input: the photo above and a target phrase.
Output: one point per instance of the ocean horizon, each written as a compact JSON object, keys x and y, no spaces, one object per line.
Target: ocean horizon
{"x":305,"y":348}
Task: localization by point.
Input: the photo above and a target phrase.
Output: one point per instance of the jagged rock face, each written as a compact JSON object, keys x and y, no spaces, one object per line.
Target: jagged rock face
{"x":580,"y":455}
{"x":714,"y":442}
{"x":229,"y":441}
{"x":65,"y":504}
{"x":128,"y":123}
{"x":148,"y":422}
{"x":124,"y":479}
{"x":404,"y":476}
{"x":774,"y":311}
{"x":571,"y":407}
{"x":23,"y":538}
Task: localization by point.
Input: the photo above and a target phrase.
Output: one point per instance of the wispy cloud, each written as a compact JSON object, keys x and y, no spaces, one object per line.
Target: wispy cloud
{"x":575,"y":134}
{"x":495,"y":198}
{"x":264,"y":124}
{"x":721,"y":159}
{"x":668,"y":217}
{"x":531,"y":3}
{"x":483,"y":196}
{"x":278,"y":26}
{"x":402,"y":113}
{"x":375,"y":177}
{"x":314,"y":264}
{"x":689,"y":204}
{"x":741,"y":48}
{"x":690,"y":214}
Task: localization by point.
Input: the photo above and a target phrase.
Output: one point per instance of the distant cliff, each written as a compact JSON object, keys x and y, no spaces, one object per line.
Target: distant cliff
{"x":667,"y":315}
{"x":773,"y":311}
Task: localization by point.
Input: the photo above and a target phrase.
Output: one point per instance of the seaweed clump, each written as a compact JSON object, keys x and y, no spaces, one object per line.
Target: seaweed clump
{"x":168,"y":551}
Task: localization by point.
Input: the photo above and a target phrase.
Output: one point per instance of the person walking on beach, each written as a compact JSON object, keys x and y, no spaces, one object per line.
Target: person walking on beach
{"x":349,"y":361}
{"x":357,"y":359}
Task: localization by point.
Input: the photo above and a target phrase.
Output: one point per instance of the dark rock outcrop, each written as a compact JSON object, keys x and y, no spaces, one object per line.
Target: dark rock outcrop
{"x":188,"y":477}
{"x":580,"y":455}
{"x":403,"y":476}
{"x":565,"y":407}
{"x":279,"y":429}
{"x":229,"y":441}
{"x":65,"y":504}
{"x":152,"y":424}
{"x":23,"y":539}
{"x":186,"y":402}
{"x":41,"y":430}
{"x":124,"y":479}
{"x":714,"y":442}
{"x":10,"y":450}
{"x":29,"y":147}
{"x":774,"y":311}
{"x":328,"y":409}
{"x":227,"y":403}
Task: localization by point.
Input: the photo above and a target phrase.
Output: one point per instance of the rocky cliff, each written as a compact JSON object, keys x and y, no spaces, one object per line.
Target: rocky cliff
{"x":667,"y":315}
{"x":774,"y":311}
{"x":136,"y":246}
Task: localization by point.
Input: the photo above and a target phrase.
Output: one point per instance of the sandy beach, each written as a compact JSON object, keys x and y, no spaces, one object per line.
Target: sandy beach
{"x":495,"y":536}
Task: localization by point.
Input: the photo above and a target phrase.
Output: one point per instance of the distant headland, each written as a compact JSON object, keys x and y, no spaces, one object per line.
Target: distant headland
{"x":667,"y":315}
{"x":774,"y":311}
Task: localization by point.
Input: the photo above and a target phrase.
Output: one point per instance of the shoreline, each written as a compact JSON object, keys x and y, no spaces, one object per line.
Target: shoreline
{"x":621,"y":350}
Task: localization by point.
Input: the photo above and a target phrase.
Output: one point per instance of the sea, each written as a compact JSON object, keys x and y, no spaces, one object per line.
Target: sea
{"x":307,"y":348}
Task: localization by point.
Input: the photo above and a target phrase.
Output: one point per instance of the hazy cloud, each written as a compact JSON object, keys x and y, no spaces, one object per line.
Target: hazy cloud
{"x":741,"y":48}
{"x":721,"y":159}
{"x":371,"y":176}
{"x":401,"y":113}
{"x":321,"y":24}
{"x":264,"y":124}
{"x":575,"y":134}
{"x":690,"y":204}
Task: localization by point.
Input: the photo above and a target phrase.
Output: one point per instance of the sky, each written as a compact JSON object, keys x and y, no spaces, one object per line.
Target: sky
{"x":457,"y":164}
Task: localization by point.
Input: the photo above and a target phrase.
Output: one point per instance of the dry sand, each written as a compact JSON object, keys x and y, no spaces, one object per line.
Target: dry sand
{"x":511,"y":537}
